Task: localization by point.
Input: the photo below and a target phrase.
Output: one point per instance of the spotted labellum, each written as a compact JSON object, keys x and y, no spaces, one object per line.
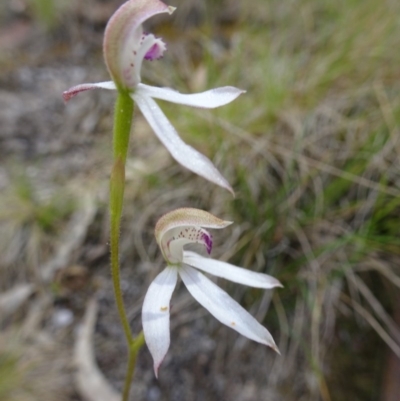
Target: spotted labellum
{"x":173,"y":232}
{"x":125,"y":49}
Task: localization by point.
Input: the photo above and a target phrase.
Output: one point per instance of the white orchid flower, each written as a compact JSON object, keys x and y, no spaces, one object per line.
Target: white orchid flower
{"x":173,"y":231}
{"x":125,"y":47}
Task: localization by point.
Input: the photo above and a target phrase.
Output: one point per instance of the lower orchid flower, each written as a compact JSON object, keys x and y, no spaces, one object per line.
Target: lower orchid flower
{"x":125,"y":48}
{"x":173,"y":231}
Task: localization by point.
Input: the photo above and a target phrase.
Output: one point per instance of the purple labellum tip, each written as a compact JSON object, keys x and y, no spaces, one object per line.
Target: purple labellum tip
{"x":156,"y":51}
{"x":208,"y":242}
{"x":153,"y":53}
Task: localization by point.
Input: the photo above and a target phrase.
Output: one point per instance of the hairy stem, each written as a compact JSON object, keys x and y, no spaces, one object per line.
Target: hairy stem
{"x":134,"y":348}
{"x":123,"y":116}
{"x":122,"y":127}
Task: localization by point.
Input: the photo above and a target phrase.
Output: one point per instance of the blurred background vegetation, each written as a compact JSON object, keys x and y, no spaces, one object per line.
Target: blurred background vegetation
{"x":311,"y":150}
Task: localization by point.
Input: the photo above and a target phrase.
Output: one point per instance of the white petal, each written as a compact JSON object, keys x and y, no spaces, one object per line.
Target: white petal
{"x":182,"y":153}
{"x":209,"y":99}
{"x":155,"y":314}
{"x":230,"y":272}
{"x":223,"y":307}
{"x":75,"y":90}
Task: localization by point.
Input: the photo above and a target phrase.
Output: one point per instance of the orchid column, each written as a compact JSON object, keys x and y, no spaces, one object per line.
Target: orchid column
{"x":125,"y":49}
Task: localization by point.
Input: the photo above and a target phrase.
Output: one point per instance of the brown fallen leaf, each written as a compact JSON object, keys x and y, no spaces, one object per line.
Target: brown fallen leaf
{"x":90,"y":382}
{"x":11,"y":300}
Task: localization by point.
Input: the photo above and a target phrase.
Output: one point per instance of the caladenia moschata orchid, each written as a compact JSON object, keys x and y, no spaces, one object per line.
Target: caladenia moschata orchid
{"x":126,"y":47}
{"x":173,"y":231}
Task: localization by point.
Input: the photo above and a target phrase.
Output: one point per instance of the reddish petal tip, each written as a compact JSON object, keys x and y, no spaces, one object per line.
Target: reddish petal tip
{"x":275,"y":348}
{"x":156,"y":367}
{"x":67,"y":96}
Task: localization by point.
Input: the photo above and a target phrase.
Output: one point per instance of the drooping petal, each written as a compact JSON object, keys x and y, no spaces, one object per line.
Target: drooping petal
{"x":155,"y":314}
{"x":224,"y":308}
{"x":123,"y":38}
{"x":182,"y":153}
{"x":75,"y":90}
{"x":230,"y":272}
{"x":209,"y":99}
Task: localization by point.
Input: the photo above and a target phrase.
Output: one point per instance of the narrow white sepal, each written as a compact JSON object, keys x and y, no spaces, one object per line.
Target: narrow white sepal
{"x":75,"y":90}
{"x":155,"y":314}
{"x":179,"y":150}
{"x":230,"y":272}
{"x":223,"y":307}
{"x":209,"y":99}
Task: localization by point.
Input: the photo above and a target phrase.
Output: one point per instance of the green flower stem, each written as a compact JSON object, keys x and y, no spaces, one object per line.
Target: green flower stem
{"x":134,"y":348}
{"x":122,"y":127}
{"x":123,"y":116}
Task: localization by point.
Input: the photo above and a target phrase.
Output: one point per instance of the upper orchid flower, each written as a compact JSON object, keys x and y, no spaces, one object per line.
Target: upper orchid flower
{"x":125,"y":47}
{"x":173,"y":231}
